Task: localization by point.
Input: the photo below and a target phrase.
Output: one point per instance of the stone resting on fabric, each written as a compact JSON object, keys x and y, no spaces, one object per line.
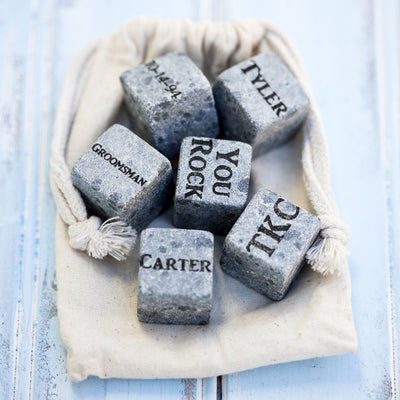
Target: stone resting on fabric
{"x":175,"y":276}
{"x":266,"y":247}
{"x":169,"y":98}
{"x":318,"y":308}
{"x":121,"y":175}
{"x":212,"y":184}
{"x":260,"y":102}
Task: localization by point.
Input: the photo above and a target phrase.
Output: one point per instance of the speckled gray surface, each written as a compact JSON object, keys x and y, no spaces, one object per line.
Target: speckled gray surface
{"x":169,"y":98}
{"x":122,"y":175}
{"x":175,"y":276}
{"x":259,"y":102}
{"x":265,"y":248}
{"x":212,"y":183}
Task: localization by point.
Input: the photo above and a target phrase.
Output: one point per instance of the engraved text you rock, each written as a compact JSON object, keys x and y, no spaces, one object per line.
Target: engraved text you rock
{"x":175,"y":276}
{"x":122,"y":175}
{"x":169,"y":98}
{"x":212,"y":183}
{"x":259,"y":102}
{"x":266,"y":247}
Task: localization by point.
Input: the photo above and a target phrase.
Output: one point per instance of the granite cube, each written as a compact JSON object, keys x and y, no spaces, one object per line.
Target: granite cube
{"x":212,"y":183}
{"x":260,"y":102}
{"x":175,"y":276}
{"x":266,"y":247}
{"x":169,"y":98}
{"x":122,"y":175}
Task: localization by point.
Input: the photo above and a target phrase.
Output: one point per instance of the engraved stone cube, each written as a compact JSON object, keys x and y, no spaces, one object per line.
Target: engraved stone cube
{"x":175,"y":276}
{"x":259,"y":102}
{"x":212,"y":183}
{"x":266,"y":247}
{"x":122,"y":175}
{"x":169,"y":98}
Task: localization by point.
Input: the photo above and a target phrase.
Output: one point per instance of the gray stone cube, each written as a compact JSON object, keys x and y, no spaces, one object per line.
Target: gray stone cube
{"x":266,"y":247}
{"x":175,"y":276}
{"x":212,"y":183}
{"x":259,"y":102}
{"x":169,"y":98}
{"x":122,"y":175}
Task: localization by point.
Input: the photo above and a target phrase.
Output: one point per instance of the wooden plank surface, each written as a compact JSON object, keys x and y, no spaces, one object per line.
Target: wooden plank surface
{"x":351,"y":53}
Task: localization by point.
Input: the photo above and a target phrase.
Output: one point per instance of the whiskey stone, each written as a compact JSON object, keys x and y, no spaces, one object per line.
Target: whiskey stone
{"x":212,"y":183}
{"x":169,"y":98}
{"x":175,"y":276}
{"x":122,"y":175}
{"x":266,"y":247}
{"x":260,"y":102}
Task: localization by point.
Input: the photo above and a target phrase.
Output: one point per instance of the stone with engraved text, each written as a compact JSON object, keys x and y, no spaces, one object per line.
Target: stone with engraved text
{"x":175,"y":276}
{"x":122,"y":175}
{"x":266,"y":247}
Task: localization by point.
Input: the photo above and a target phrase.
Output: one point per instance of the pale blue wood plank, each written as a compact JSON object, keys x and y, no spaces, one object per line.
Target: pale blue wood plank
{"x":337,"y":43}
{"x":13,"y":225}
{"x":388,"y":70}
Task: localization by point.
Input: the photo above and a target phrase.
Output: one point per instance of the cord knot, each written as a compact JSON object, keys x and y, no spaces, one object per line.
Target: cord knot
{"x":329,"y":253}
{"x":333,"y":227}
{"x":112,"y":237}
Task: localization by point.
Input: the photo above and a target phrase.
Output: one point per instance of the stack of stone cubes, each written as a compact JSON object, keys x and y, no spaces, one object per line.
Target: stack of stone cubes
{"x":252,"y":107}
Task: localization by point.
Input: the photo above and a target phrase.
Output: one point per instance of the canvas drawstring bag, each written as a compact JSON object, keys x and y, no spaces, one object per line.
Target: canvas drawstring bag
{"x":97,"y":268}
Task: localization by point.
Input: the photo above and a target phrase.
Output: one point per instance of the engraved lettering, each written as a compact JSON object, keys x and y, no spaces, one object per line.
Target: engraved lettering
{"x":158,"y":264}
{"x":204,"y":150}
{"x":194,"y":190}
{"x":96,"y":147}
{"x":131,"y":174}
{"x":272,"y":228}
{"x":259,"y":245}
{"x":222,"y":185}
{"x":142,"y":260}
{"x":254,"y":65}
{"x":222,"y":176}
{"x":223,"y":173}
{"x":271,"y":96}
{"x":200,"y":161}
{"x":192,"y":264}
{"x":114,"y":161}
{"x":204,"y":264}
{"x":171,"y":86}
{"x":229,"y":156}
{"x":280,"y":107}
{"x":197,"y":174}
{"x":142,"y":181}
{"x":171,"y":264}
{"x":260,"y":89}
{"x":182,"y":260}
{"x":283,"y":215}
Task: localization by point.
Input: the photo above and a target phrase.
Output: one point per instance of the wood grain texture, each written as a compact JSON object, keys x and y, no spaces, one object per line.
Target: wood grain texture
{"x":351,"y":52}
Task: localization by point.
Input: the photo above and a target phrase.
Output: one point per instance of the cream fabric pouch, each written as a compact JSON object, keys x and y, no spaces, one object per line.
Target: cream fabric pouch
{"x":97,"y":298}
